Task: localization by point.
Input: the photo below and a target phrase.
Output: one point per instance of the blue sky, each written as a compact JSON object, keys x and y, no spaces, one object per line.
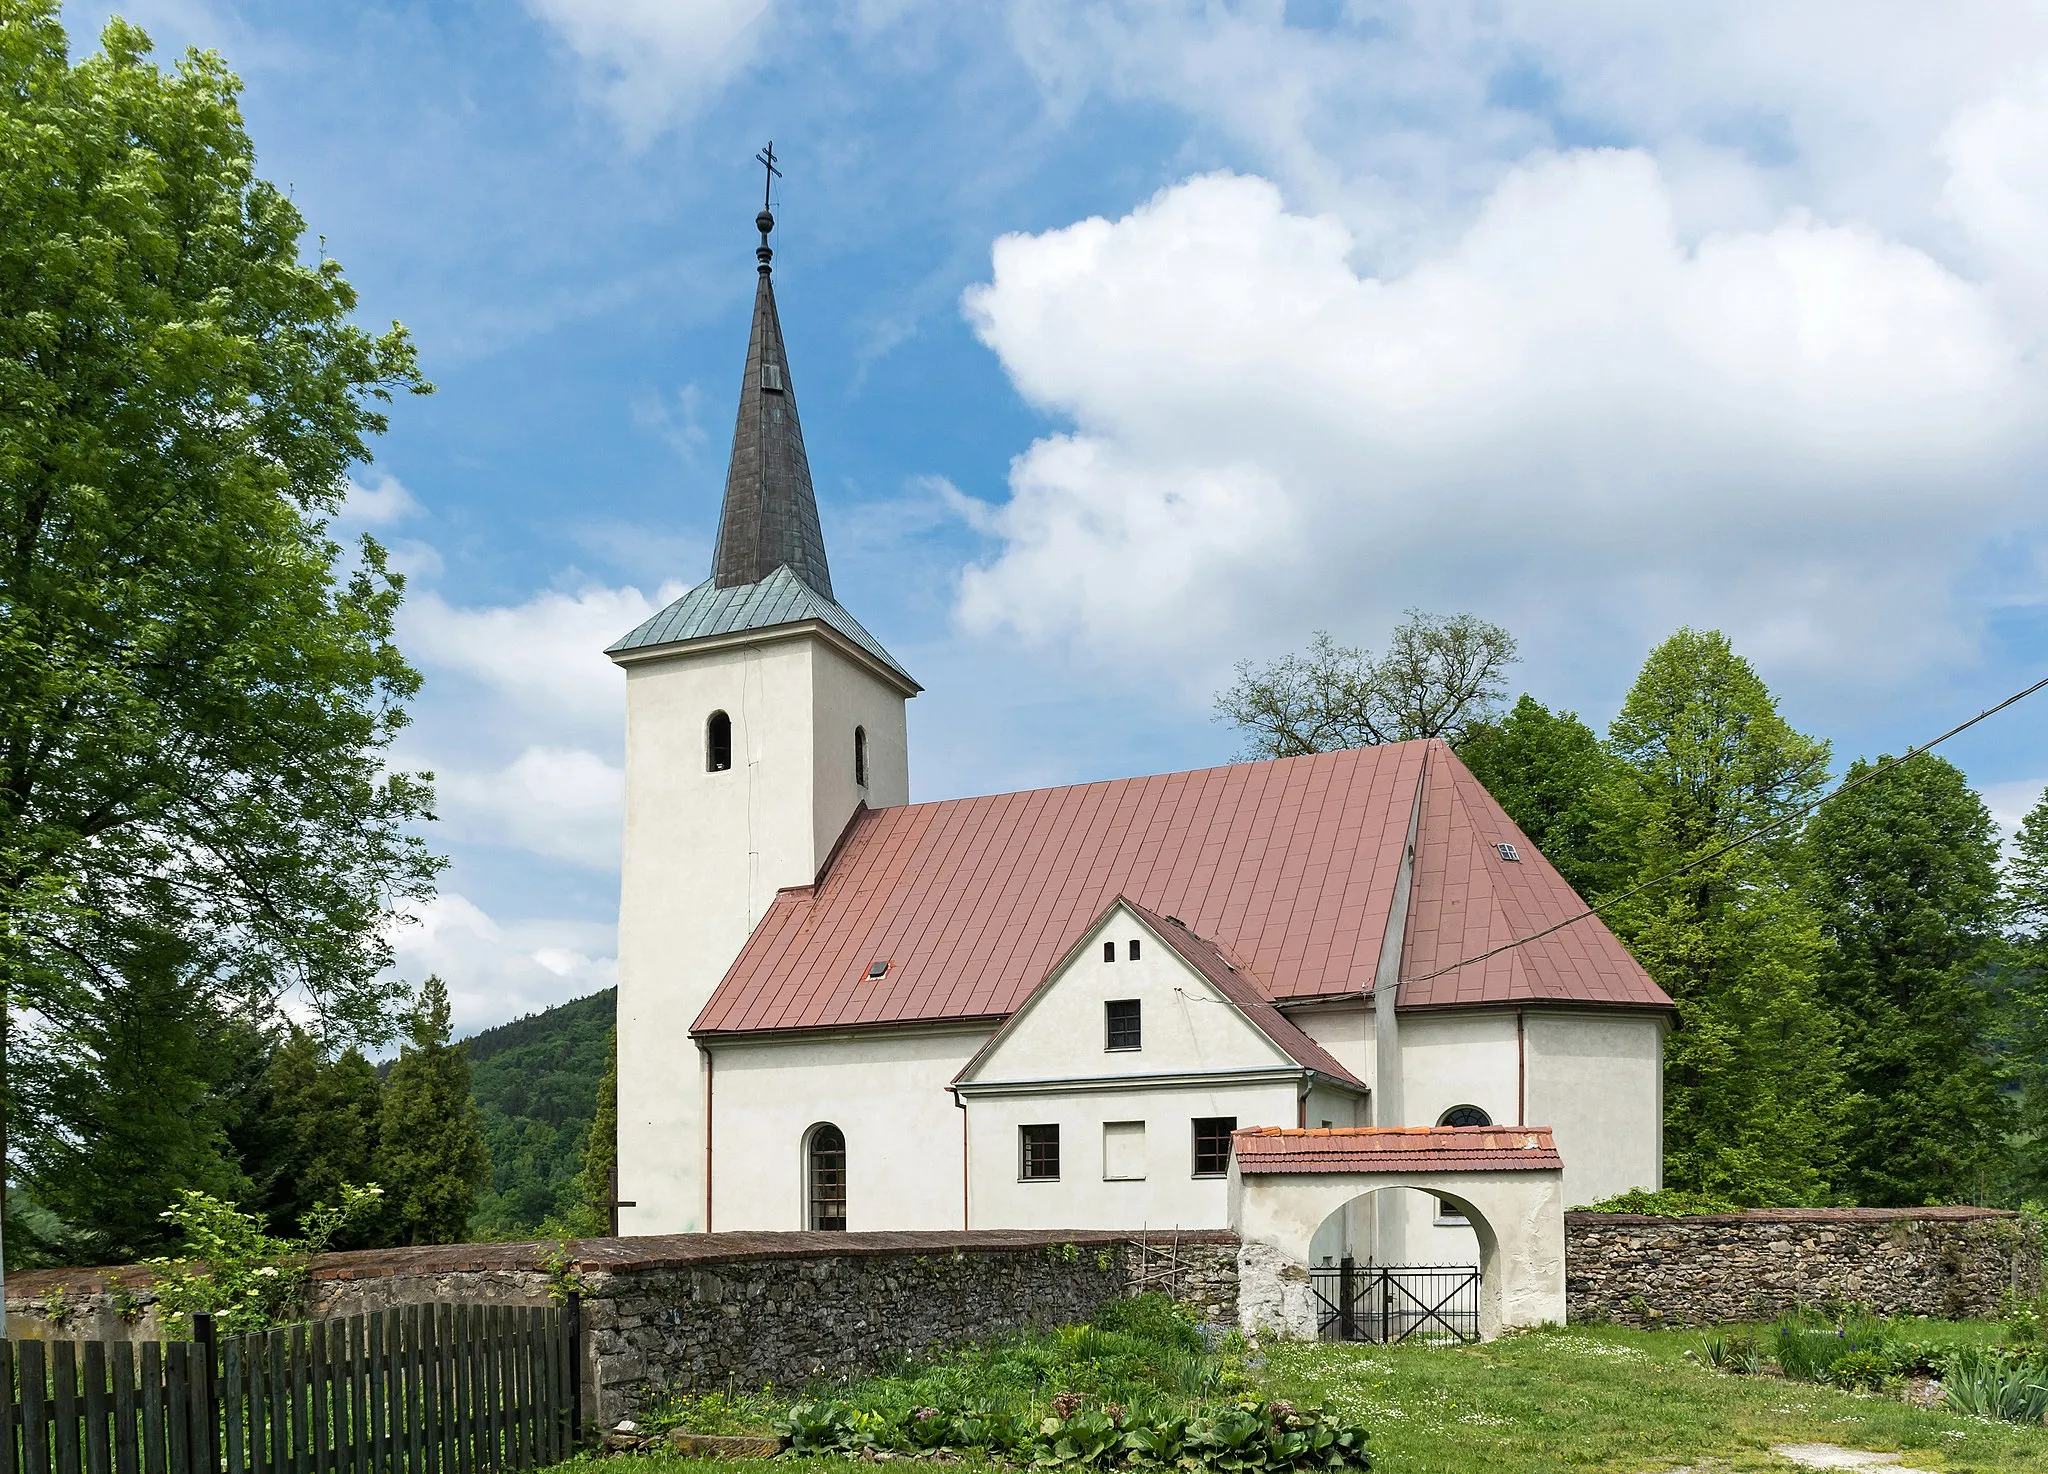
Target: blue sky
{"x":1133,"y":339}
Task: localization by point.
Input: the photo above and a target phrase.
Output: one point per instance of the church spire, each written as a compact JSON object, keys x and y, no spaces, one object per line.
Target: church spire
{"x":770,"y":516}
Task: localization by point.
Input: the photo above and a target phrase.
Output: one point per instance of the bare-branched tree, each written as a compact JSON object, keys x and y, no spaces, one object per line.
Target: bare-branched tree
{"x":1438,"y":677}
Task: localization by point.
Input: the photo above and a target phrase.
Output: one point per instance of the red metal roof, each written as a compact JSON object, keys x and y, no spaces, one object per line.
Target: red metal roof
{"x":1396,"y":1149}
{"x":1287,"y":867}
{"x":1202,"y":955}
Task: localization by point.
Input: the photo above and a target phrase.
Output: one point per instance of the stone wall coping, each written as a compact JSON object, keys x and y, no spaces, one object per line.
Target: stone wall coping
{"x":1583,"y":1219}
{"x":625,"y":1255}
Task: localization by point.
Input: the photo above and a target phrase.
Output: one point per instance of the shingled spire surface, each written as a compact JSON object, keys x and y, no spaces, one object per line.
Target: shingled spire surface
{"x":770,"y":517}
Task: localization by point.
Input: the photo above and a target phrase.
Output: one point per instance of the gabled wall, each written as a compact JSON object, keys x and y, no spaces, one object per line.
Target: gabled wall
{"x":1125,"y":1117}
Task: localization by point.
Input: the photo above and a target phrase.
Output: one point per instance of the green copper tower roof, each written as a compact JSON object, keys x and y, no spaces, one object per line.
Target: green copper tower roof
{"x":780,"y":598}
{"x":769,"y":568}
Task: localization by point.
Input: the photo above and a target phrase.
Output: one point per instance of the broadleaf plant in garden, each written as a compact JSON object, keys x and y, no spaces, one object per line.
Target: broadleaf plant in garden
{"x":247,"y":1279}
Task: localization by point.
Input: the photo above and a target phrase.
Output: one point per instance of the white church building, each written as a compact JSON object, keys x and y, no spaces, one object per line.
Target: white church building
{"x":842,"y":1010}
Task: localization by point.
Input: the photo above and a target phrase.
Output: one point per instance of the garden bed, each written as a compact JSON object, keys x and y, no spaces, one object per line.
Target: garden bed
{"x":1599,"y":1399}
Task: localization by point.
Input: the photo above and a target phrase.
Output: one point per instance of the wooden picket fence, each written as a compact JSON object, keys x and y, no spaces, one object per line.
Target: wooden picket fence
{"x":424,"y":1389}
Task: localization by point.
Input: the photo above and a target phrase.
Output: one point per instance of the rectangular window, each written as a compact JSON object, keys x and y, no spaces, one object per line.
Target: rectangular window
{"x":1039,"y":1150}
{"x":1123,"y":1151}
{"x":1212,"y":1144}
{"x":1109,"y":951}
{"x":1134,"y":949}
{"x":1122,"y":1025}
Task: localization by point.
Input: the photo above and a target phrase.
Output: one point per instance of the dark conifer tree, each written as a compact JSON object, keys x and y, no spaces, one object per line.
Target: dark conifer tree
{"x":431,"y":1159}
{"x":322,"y":1121}
{"x":600,"y":1153}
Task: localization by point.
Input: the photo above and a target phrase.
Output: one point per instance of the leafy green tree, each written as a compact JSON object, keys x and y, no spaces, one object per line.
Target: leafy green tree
{"x":321,"y":1115}
{"x":2023,"y":1019}
{"x":1437,"y":678}
{"x":1754,"y":1091}
{"x":1548,"y":770}
{"x":197,"y":691}
{"x":431,"y":1159}
{"x":600,"y":1152}
{"x":1905,"y":876}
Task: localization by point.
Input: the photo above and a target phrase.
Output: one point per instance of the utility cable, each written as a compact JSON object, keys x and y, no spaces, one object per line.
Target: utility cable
{"x":1735,"y":844}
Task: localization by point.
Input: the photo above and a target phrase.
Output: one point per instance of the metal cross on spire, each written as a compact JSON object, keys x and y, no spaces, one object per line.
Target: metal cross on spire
{"x":765,"y":222}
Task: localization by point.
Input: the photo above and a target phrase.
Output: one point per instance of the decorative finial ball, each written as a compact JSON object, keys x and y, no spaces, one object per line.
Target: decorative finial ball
{"x":764,"y":222}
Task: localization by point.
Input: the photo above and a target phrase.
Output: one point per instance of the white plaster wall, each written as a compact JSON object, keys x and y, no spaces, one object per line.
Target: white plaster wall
{"x":704,"y":854}
{"x":1597,"y":1081}
{"x":1521,"y":1257}
{"x":1187,"y":1025}
{"x":1346,"y":1030}
{"x":1170,"y":1197}
{"x":886,"y":1092}
{"x":846,"y":696}
{"x":1452,"y":1059}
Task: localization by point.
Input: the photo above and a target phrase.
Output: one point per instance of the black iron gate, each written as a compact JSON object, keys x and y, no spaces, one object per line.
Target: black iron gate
{"x":1426,"y":1304}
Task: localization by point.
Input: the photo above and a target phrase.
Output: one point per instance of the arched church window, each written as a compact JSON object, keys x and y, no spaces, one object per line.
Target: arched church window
{"x":1449,"y":1213}
{"x":718,"y":743}
{"x":860,"y":757}
{"x":825,"y":1178}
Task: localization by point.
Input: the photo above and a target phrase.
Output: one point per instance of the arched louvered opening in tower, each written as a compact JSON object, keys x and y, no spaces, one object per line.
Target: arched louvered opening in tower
{"x":718,"y":743}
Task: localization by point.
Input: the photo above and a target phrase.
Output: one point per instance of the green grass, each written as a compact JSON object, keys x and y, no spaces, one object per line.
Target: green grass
{"x":1596,"y":1399}
{"x":1616,"y":1400}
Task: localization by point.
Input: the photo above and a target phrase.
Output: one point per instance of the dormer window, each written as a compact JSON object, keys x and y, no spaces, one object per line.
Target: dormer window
{"x":771,"y":377}
{"x":860,"y":757}
{"x":718,"y":743}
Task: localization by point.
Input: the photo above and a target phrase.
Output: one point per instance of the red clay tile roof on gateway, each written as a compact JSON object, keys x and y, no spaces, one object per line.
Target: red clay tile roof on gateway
{"x":1287,"y":867}
{"x":1396,"y":1149}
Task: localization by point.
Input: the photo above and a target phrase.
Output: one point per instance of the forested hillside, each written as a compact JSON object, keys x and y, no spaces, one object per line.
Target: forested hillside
{"x":535,"y":1080}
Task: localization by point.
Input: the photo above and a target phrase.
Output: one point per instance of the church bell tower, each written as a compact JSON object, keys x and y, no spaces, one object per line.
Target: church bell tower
{"x":760,"y":718}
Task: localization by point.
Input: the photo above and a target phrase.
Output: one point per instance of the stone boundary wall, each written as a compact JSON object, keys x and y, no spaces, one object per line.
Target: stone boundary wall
{"x":1953,"y":1263}
{"x":709,"y":1310}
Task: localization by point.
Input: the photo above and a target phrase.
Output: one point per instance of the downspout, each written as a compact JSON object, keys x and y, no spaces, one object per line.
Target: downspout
{"x":1521,"y":1070}
{"x":958,"y":1101}
{"x":707,"y":1138}
{"x":1387,"y":1107}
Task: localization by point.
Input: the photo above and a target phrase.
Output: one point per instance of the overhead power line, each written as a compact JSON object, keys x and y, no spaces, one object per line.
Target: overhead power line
{"x":1735,"y":844}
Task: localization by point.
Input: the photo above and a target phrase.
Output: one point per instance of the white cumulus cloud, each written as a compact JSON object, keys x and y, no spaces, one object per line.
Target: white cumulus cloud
{"x":657,"y":61}
{"x":1570,"y":414}
{"x":544,"y":658}
{"x":495,"y":969}
{"x":564,"y":803}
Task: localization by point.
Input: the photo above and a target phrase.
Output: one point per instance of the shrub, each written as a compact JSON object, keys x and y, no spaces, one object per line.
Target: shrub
{"x":1669,"y":1202}
{"x":1811,"y":1353}
{"x":730,"y":1411}
{"x":1136,"y":1387}
{"x":2026,"y":1320}
{"x":249,"y":1280}
{"x":1249,"y":1437}
{"x":1989,"y":1383}
{"x":1736,"y":1351}
{"x":1151,"y":1317}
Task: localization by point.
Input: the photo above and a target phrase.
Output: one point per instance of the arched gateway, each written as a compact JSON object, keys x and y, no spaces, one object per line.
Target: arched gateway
{"x":1508,"y":1181}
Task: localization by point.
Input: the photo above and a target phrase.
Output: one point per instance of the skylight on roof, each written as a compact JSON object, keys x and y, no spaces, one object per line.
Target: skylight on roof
{"x":771,"y":377}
